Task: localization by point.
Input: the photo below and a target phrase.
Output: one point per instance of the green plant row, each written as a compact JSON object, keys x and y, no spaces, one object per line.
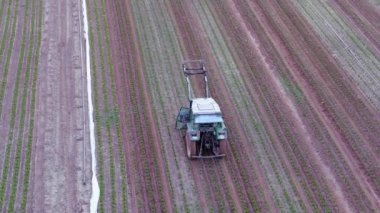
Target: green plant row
{"x":121,"y":148}
{"x":14,"y":107}
{"x":32,"y":110}
{"x":166,"y":48}
{"x":149,"y":58}
{"x":106,"y":109}
{"x":235,"y":84}
{"x":17,"y":163}
{"x":278,"y":175}
{"x":336,"y":116}
{"x":283,"y":122}
{"x":99,"y":143}
{"x":5,"y":32}
{"x":99,"y":152}
{"x":9,"y":50}
{"x":122,"y":160}
{"x":2,"y":6}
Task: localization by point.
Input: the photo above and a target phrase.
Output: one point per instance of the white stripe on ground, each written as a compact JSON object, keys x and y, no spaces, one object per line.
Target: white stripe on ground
{"x":95,"y":186}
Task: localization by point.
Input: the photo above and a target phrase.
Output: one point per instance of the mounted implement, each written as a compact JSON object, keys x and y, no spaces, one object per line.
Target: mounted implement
{"x":202,"y":122}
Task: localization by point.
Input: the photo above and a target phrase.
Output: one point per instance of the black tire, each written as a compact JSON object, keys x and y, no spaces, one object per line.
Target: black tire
{"x":190,"y":147}
{"x":223,"y":147}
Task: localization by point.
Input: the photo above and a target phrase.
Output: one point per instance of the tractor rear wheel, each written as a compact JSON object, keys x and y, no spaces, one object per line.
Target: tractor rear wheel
{"x":190,"y":147}
{"x":222,"y":147}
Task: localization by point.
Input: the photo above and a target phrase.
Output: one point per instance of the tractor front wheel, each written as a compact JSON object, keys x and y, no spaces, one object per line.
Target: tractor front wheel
{"x":190,"y":147}
{"x":223,"y":147}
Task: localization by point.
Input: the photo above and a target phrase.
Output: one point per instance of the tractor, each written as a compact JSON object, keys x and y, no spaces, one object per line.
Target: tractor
{"x":201,"y":124}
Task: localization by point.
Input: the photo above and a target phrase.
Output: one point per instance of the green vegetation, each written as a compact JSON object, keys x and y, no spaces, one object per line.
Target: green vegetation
{"x":14,"y":102}
{"x":17,"y":163}
{"x":292,"y":88}
{"x":9,"y":50}
{"x":99,"y":139}
{"x":32,"y":110}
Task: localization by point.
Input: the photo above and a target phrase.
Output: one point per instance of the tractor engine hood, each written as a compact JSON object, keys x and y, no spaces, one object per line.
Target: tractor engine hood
{"x":205,"y":118}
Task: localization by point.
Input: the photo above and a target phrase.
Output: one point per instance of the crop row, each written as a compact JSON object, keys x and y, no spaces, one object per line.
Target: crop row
{"x":350,"y":120}
{"x":110,"y":114}
{"x":258,"y":77}
{"x":2,"y":6}
{"x":138,"y":103}
{"x":192,"y":44}
{"x":32,"y":109}
{"x":168,"y":48}
{"x":100,"y":119}
{"x":106,"y":104}
{"x":191,"y":48}
{"x":149,"y":40}
{"x":10,"y":138}
{"x":225,"y":64}
{"x":260,"y":89}
{"x":327,"y":147}
{"x":159,"y":53}
{"x":28,"y":71}
{"x":121,"y":149}
{"x":9,"y":50}
{"x":360,"y":63}
{"x":99,"y":145}
{"x":24,"y":63}
{"x":248,"y":110}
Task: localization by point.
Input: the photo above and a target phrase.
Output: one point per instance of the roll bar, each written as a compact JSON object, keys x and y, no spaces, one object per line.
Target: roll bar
{"x":195,"y":67}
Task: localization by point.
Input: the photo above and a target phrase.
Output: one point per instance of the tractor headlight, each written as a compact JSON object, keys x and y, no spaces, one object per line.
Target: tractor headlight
{"x":194,"y":135}
{"x":222,"y":135}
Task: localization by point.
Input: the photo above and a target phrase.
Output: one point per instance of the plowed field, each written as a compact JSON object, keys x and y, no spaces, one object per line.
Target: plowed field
{"x":298,"y":82}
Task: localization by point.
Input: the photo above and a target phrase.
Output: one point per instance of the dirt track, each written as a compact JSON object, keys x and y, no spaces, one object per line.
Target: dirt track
{"x":297,"y":82}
